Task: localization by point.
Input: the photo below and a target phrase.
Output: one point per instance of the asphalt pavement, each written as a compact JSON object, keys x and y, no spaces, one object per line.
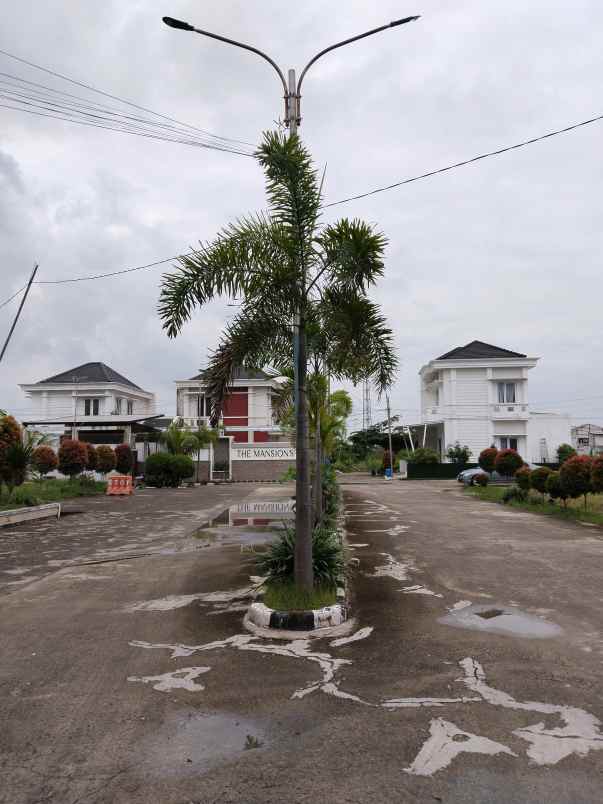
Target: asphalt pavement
{"x":472,"y":672}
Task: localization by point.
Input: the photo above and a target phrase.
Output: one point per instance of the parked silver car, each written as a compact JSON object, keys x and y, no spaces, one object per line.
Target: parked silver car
{"x":467,"y":476}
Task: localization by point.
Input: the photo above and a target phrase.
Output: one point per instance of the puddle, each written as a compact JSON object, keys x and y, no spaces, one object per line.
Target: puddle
{"x":505,"y":620}
{"x":250,"y":520}
{"x":190,"y":743}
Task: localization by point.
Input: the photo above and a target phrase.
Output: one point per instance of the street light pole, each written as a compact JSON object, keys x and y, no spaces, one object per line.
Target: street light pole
{"x":292,"y":96}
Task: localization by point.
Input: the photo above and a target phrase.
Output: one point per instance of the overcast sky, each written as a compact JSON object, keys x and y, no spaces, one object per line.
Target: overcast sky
{"x":507,"y":250}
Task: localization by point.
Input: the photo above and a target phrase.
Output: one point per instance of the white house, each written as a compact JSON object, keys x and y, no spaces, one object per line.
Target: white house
{"x":477,"y":394}
{"x":252,"y":446}
{"x":92,"y":402}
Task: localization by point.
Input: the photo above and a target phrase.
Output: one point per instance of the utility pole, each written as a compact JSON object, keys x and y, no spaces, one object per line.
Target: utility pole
{"x":292,"y":96}
{"x":389,"y":433}
{"x":12,"y":329}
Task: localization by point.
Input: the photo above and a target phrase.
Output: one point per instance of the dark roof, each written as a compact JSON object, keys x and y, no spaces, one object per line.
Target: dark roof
{"x":91,"y":373}
{"x":478,"y":350}
{"x":240,"y":373}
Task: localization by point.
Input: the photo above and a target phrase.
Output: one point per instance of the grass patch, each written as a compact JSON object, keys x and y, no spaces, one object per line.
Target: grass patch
{"x":286,"y":597}
{"x":36,"y":492}
{"x":575,"y":511}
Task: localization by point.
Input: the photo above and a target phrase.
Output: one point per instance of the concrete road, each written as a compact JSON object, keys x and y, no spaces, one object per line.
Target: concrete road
{"x":473,"y":673}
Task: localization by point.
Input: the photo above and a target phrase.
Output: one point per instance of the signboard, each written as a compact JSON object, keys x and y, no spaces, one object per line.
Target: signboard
{"x":262,"y":453}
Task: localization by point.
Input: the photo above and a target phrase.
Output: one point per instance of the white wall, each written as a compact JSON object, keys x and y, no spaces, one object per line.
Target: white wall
{"x":556,"y":428}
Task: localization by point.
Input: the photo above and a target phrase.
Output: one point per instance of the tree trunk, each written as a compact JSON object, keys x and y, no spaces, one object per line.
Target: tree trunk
{"x":317,"y":494}
{"x":304,"y":575}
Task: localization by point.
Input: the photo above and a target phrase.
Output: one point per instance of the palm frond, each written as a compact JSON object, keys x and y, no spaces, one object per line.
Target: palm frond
{"x":352,"y":254}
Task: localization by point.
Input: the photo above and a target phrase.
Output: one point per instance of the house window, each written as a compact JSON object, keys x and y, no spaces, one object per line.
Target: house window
{"x":200,"y":406}
{"x":130,"y":406}
{"x":91,"y":407}
{"x":508,"y":443}
{"x":506,"y":393}
{"x":118,"y":402}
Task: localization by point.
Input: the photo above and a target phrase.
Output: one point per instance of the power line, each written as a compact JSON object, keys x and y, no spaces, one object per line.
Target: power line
{"x":112,"y":273}
{"x":499,"y":151}
{"x":14,"y":296}
{"x":117,"y":98}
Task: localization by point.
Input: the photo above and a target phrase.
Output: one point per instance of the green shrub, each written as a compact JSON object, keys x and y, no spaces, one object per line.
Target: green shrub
{"x":523,"y":478}
{"x":457,"y":454}
{"x":327,"y":558}
{"x":507,"y":462}
{"x":487,"y":458}
{"x":331,"y":495}
{"x":574,"y":476}
{"x":164,"y":469}
{"x":514,"y":494}
{"x":182,"y":466}
{"x":24,"y":496}
{"x":288,"y":475}
{"x":425,"y":455}
{"x":565,"y":451}
{"x":482,"y":479}
{"x":538,"y":478}
{"x":555,"y":489}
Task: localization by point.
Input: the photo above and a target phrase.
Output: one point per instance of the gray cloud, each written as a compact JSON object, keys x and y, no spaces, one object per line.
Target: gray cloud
{"x":506,"y":250}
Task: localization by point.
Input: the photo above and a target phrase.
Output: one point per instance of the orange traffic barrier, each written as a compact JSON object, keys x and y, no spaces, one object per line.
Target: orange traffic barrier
{"x":120,"y":484}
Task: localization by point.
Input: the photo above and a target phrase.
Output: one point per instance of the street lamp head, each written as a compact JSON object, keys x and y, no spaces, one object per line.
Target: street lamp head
{"x":401,"y":22}
{"x":182,"y":26}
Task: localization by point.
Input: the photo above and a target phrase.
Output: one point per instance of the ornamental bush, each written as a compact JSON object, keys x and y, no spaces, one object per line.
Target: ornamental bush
{"x":44,"y":460}
{"x":105,"y":459}
{"x":164,"y":469}
{"x":596,"y":474}
{"x":457,"y":454}
{"x":523,"y":478}
{"x":482,"y":479}
{"x":574,"y":476}
{"x":123,"y":458}
{"x":10,"y":435}
{"x":565,"y":451}
{"x":73,"y":457}
{"x":182,"y":466}
{"x":425,"y":455}
{"x":487,"y":459}
{"x":538,"y":478}
{"x":514,"y":494}
{"x":92,"y":458}
{"x":327,"y":558}
{"x":507,"y":462}
{"x":555,"y":489}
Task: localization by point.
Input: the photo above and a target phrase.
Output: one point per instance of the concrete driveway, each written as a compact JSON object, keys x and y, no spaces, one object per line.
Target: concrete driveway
{"x":472,"y":674}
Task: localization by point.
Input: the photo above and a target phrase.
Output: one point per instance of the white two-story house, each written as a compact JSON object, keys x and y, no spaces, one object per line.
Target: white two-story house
{"x":92,"y":402}
{"x":477,"y":394}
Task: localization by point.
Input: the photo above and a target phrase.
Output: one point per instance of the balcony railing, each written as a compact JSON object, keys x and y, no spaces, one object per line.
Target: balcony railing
{"x":512,"y":410}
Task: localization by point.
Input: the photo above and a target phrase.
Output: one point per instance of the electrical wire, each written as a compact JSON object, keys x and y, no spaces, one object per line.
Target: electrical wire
{"x":112,"y":273}
{"x":117,"y":98}
{"x":14,"y":296}
{"x":497,"y":152}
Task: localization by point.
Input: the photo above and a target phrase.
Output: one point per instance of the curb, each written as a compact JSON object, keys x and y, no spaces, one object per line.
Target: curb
{"x":17,"y":515}
{"x":309,"y":620}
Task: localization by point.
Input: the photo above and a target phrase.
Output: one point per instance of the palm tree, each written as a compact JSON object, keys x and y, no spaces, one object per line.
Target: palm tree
{"x":290,"y":273}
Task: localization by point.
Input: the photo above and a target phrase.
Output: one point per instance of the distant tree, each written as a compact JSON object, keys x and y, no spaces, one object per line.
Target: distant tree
{"x":523,"y":478}
{"x":575,"y":477}
{"x":73,"y":457}
{"x":596,"y":474}
{"x":565,"y":451}
{"x":507,"y":462}
{"x":457,"y":454}
{"x":105,"y":459}
{"x":92,"y":458}
{"x":555,"y":489}
{"x":538,"y":478}
{"x":123,"y":458}
{"x":425,"y":455}
{"x":487,"y":458}
{"x":44,"y":459}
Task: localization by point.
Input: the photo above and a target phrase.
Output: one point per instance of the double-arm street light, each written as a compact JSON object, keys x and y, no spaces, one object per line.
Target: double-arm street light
{"x":291,"y":88}
{"x":292,"y":95}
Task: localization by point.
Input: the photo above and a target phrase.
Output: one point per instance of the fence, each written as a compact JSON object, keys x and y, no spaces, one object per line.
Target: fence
{"x":436,"y":471}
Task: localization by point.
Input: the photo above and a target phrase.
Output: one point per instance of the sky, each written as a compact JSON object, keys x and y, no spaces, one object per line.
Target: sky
{"x":507,"y":250}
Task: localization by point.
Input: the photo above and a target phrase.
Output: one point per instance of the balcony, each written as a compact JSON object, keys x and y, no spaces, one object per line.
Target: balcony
{"x":510,"y":411}
{"x":195,"y":422}
{"x":432,"y":413}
